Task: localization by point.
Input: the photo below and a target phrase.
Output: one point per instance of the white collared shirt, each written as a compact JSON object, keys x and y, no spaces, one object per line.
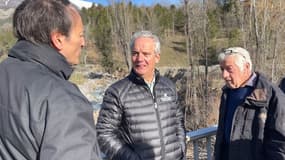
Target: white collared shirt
{"x":151,"y":84}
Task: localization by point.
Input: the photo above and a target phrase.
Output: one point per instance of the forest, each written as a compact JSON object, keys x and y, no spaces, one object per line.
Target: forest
{"x":196,"y":31}
{"x":192,"y":34}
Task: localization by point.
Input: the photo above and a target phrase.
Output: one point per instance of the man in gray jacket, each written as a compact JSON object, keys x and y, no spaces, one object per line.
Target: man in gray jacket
{"x":140,"y":118}
{"x":42,"y":115}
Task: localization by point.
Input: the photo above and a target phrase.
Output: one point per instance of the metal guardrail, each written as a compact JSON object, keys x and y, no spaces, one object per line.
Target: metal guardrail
{"x":195,"y":136}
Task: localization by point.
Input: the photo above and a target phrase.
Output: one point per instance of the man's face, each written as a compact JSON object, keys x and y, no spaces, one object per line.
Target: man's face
{"x":144,"y":58}
{"x":232,"y":74}
{"x":73,"y":44}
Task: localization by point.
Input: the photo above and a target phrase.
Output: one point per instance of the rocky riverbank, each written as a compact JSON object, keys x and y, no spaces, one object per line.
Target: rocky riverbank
{"x":93,"y":82}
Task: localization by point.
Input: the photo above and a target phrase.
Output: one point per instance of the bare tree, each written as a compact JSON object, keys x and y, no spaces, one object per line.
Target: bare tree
{"x":277,"y":23}
{"x":196,"y":35}
{"x":121,"y":23}
{"x":191,"y":96}
{"x":205,"y":50}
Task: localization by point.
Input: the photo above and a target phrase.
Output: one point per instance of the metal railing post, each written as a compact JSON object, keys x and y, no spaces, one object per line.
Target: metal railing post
{"x":209,"y":148}
{"x":195,"y":136}
{"x":196,"y":150}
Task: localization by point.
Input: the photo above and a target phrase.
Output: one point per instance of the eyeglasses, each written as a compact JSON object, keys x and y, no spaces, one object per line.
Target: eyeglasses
{"x":231,"y":52}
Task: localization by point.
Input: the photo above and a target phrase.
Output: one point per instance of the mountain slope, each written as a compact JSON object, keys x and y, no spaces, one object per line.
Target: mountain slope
{"x":5,"y":4}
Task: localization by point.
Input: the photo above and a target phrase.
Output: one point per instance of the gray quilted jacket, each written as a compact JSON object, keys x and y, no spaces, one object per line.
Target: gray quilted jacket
{"x":135,"y":124}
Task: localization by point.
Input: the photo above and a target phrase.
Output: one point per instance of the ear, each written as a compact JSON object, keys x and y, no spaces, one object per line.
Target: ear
{"x":247,"y":66}
{"x":157,"y":58}
{"x":57,"y":40}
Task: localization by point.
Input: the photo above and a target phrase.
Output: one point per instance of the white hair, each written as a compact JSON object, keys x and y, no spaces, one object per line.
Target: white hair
{"x":242,"y":56}
{"x":147,"y":34}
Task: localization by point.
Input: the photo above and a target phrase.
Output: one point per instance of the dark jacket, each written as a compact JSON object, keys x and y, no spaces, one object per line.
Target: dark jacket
{"x":133,"y":124}
{"x":282,"y":84}
{"x":42,"y":115}
{"x":258,"y":130}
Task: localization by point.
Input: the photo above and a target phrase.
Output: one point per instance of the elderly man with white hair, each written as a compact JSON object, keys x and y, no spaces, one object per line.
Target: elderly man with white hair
{"x":252,"y":112}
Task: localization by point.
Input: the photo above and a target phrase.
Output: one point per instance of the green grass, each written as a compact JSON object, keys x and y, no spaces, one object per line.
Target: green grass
{"x":173,"y":53}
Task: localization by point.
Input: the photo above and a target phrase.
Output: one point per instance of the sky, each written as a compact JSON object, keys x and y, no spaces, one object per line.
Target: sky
{"x":86,"y":3}
{"x":81,"y":3}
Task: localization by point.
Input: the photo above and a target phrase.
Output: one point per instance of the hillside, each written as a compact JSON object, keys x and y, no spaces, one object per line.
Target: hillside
{"x":6,"y":4}
{"x":6,"y":13}
{"x":173,"y":53}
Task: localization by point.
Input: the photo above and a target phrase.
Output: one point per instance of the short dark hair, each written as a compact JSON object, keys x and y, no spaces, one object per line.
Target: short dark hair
{"x":34,"y":20}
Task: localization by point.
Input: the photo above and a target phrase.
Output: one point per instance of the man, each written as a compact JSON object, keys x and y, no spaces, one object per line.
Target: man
{"x":140,"y":118}
{"x":252,"y":112}
{"x":42,"y":115}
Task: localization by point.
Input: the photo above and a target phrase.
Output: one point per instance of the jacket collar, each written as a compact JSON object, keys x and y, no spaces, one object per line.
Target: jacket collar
{"x":43,"y":54}
{"x":251,"y":82}
{"x":259,"y":96}
{"x":139,"y":80}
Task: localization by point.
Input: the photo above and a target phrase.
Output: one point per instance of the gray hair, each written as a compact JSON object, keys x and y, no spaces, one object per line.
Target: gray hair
{"x":242,"y":56}
{"x":146,"y":34}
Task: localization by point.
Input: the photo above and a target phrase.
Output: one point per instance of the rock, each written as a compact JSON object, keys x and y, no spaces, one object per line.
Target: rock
{"x":93,"y":75}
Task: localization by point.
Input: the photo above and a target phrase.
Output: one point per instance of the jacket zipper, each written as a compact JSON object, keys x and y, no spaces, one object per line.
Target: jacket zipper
{"x":159,"y":126}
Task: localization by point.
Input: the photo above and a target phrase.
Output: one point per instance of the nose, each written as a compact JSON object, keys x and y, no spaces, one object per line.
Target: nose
{"x":225,"y":74}
{"x":140,"y":57}
{"x":83,"y":42}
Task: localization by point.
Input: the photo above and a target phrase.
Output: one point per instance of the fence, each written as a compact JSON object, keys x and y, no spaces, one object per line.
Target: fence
{"x":195,"y":136}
